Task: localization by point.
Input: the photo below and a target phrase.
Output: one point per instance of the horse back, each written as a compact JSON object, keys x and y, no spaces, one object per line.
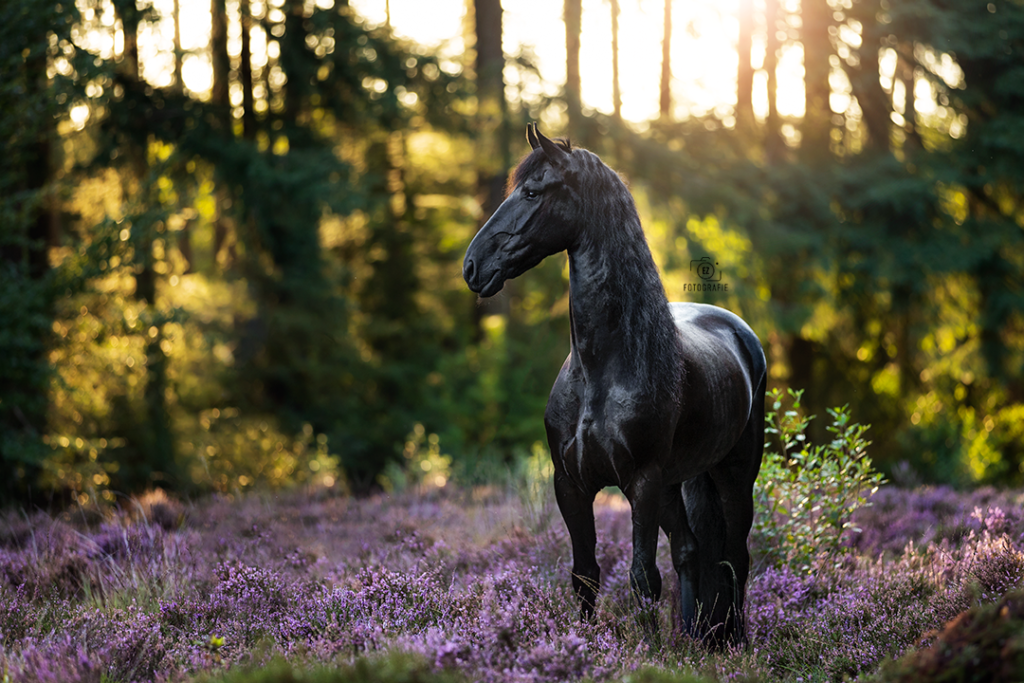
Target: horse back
{"x":725,"y":327}
{"x":723,"y":365}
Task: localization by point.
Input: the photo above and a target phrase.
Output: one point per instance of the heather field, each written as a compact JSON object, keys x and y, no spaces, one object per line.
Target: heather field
{"x":463,"y":583}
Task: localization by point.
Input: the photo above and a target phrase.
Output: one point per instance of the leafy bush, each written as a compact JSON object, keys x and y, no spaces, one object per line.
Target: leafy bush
{"x":424,"y":468}
{"x":807,"y":495}
{"x":228,"y":450}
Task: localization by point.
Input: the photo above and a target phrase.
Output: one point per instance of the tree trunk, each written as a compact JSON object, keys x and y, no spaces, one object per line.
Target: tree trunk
{"x":219,"y":59}
{"x":903,"y":309}
{"x":129,"y":15}
{"x":773,"y":145}
{"x":185,"y":245}
{"x":490,"y":65}
{"x":179,"y":83}
{"x":185,"y":234}
{"x":801,"y":362}
{"x":493,"y":118}
{"x":874,"y":102}
{"x":155,"y":441}
{"x":41,"y":234}
{"x":219,"y":97}
{"x":245,"y":74}
{"x":490,"y":57}
{"x":389,"y":300}
{"x":744,"y":71}
{"x":905,"y":68}
{"x":292,"y":46}
{"x":616,"y":88}
{"x":573,"y":16}
{"x":817,"y":126}
{"x":665,"y":101}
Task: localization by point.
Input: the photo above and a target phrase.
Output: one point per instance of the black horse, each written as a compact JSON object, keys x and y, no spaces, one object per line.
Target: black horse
{"x":664,"y":400}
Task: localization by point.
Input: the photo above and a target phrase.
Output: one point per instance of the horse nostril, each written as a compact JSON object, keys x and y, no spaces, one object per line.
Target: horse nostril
{"x":469,"y":271}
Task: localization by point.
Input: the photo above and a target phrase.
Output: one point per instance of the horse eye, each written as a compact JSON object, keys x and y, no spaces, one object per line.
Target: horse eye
{"x":531,"y":194}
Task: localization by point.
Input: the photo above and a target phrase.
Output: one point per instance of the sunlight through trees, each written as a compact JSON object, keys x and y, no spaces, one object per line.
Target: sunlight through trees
{"x":233,"y":230}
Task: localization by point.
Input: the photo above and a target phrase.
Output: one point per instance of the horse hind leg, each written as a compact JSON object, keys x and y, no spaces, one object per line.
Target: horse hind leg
{"x":685,"y":557}
{"x":734,"y":479}
{"x":707,"y":524}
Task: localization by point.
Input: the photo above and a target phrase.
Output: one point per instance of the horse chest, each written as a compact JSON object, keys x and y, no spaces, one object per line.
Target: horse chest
{"x":606,"y":437}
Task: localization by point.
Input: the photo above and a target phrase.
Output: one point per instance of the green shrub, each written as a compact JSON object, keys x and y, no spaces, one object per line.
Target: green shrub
{"x":806,"y":495}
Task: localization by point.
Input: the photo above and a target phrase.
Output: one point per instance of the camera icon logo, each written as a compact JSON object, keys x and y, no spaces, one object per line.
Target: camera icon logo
{"x":706,"y":270}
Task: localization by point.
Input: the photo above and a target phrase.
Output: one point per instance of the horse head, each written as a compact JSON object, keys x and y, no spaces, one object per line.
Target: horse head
{"x":534,"y":221}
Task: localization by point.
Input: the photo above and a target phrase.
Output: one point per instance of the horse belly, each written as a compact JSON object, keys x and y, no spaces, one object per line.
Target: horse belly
{"x":696,"y":450}
{"x":716,"y":408}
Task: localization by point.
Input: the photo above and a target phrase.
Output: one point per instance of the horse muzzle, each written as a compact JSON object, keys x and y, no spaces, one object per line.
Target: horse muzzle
{"x":478,"y":282}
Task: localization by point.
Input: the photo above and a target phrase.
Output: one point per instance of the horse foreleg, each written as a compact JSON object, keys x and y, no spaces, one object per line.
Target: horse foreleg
{"x":684,"y":554}
{"x":644,"y":496}
{"x":577,"y":508}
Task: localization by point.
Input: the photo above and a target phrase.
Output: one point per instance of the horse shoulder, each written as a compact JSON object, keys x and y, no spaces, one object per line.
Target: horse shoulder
{"x":563,"y":406}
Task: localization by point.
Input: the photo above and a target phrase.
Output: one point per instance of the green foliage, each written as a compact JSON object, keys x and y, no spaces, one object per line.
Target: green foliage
{"x":888,"y":272}
{"x":31,"y":103}
{"x":229,"y":451}
{"x":425,"y":466}
{"x":298,"y":263}
{"x":24,"y":375}
{"x":806,"y":495}
{"x":154,"y":385}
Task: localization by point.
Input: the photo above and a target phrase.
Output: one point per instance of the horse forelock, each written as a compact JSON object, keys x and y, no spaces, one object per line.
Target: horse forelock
{"x":533,"y":162}
{"x":585,"y":171}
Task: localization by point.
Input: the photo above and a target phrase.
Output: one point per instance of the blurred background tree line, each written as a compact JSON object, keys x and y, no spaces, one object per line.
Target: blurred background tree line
{"x":259,"y":281}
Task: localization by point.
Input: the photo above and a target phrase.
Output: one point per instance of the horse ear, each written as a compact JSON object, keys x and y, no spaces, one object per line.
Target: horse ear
{"x":531,"y":135}
{"x":555,"y":154}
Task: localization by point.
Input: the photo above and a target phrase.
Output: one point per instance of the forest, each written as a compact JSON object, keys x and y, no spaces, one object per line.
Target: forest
{"x":253,"y":278}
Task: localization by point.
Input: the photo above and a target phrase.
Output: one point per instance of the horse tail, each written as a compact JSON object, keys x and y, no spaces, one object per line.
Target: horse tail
{"x":707,"y":521}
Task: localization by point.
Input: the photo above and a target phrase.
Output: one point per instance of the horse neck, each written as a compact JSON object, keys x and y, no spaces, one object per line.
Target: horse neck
{"x":619,"y":313}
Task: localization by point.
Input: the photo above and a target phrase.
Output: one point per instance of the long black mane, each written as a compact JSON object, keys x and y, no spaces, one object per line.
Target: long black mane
{"x":607,"y":214}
